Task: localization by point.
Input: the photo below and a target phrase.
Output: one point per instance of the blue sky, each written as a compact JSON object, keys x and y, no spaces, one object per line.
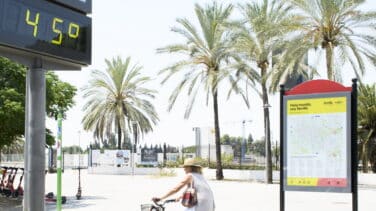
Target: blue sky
{"x":136,"y":28}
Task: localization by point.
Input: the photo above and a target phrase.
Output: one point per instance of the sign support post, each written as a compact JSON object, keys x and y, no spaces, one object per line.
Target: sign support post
{"x":59,"y":161}
{"x":354,"y":145}
{"x":35,"y":138}
{"x":281,"y":151}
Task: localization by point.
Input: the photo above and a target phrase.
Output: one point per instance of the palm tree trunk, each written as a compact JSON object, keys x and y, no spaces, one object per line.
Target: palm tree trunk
{"x":365,"y":152}
{"x":219,"y":171}
{"x":365,"y":157}
{"x":135,"y":137}
{"x":268,"y":153}
{"x":329,"y":61}
{"x":118,"y":133}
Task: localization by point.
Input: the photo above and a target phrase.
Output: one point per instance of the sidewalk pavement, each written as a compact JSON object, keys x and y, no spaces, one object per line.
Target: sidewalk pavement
{"x":125,"y":192}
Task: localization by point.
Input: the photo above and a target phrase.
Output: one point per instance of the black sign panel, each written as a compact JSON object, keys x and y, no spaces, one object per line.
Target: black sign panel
{"x":44,"y":28}
{"x":149,"y":155}
{"x":81,"y":5}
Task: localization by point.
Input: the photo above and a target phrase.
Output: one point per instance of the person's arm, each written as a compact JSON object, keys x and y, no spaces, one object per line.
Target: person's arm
{"x":186,"y":180}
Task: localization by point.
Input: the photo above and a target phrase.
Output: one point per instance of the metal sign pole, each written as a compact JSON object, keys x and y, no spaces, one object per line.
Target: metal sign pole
{"x":79,"y":190}
{"x":59,"y":161}
{"x":281,"y":151}
{"x":354,"y":145}
{"x":35,"y":139}
{"x":26,"y":200}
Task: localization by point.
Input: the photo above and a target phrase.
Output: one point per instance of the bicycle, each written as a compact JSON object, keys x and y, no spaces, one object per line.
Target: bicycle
{"x":157,"y":206}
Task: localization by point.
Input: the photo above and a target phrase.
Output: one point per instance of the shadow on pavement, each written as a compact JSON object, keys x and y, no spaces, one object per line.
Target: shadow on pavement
{"x":73,"y":203}
{"x":10,"y":204}
{"x":367,"y":187}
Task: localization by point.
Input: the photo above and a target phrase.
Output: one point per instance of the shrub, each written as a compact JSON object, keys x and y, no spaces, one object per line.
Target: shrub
{"x":165,"y":172}
{"x":172,"y":164}
{"x":145,"y":165}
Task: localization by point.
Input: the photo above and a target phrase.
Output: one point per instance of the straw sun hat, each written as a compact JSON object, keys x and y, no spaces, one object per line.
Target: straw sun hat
{"x":191,"y":162}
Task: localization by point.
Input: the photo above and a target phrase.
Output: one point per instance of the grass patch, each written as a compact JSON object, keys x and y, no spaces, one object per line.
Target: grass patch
{"x":166,"y":172}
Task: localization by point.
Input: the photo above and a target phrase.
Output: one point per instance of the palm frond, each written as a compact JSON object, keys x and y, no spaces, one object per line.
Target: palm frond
{"x":116,"y":97}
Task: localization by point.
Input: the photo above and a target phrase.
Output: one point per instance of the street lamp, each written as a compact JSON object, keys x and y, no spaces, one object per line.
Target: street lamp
{"x":79,"y":190}
{"x":197,"y":131}
{"x":242,"y":149}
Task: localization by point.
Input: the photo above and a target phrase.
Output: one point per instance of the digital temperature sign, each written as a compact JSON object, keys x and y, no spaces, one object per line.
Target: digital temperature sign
{"x":47,"y":29}
{"x":80,"y":5}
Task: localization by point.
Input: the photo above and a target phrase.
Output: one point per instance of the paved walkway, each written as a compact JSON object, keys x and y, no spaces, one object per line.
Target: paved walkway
{"x":122,"y":192}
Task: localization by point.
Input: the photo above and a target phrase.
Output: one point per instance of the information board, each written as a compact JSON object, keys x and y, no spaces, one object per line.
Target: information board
{"x":149,"y":155}
{"x":317,"y":142}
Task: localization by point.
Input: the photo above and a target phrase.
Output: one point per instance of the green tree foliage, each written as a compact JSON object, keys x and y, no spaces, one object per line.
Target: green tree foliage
{"x":236,"y":143}
{"x":50,"y":139}
{"x":12,"y":100}
{"x":189,"y":149}
{"x":110,"y":142}
{"x":59,"y":95}
{"x":17,"y":147}
{"x":250,"y":139}
{"x":95,"y":145}
{"x":127,"y":143}
{"x":73,"y":150}
{"x":259,"y":147}
{"x":258,"y":35}
{"x":367,"y":124}
{"x":226,"y":139}
{"x":206,"y":52}
{"x":373,"y":157}
{"x":118,"y":97}
{"x":336,"y":28}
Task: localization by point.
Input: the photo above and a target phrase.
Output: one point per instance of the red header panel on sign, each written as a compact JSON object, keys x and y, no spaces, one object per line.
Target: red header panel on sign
{"x":318,"y":86}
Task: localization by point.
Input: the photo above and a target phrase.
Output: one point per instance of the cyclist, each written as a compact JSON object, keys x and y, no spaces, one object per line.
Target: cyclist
{"x":205,"y":197}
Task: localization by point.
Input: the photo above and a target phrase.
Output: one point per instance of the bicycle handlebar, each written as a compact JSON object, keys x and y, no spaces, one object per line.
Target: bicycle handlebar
{"x":164,"y":202}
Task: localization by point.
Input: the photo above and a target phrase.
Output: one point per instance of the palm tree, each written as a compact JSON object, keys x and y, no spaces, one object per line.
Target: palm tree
{"x":257,"y":36}
{"x":206,"y":52}
{"x":344,"y":33}
{"x":118,"y":98}
{"x":367,"y":122}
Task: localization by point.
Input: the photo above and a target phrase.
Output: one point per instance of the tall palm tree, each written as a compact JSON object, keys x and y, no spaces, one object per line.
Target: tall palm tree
{"x":257,"y":36}
{"x":118,"y":98}
{"x":206,"y":51}
{"x":338,"y":29}
{"x":367,"y":122}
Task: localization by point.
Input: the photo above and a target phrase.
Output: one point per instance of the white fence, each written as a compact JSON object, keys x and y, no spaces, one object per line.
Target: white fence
{"x":109,"y":158}
{"x":112,"y":158}
{"x":12,"y":157}
{"x":69,"y":160}
{"x":75,"y":160}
